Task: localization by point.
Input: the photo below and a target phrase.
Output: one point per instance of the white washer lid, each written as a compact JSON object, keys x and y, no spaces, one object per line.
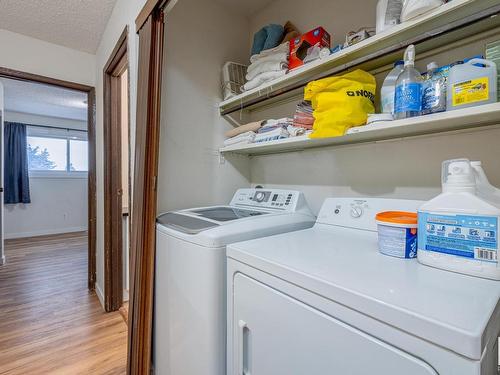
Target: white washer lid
{"x":213,"y":234}
{"x":344,"y":265}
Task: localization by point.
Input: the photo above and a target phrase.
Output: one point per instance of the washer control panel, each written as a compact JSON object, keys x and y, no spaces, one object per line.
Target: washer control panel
{"x":360,"y":213}
{"x":266,"y":198}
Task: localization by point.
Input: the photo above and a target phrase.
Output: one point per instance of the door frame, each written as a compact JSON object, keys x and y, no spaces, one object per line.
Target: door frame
{"x":150,"y":28}
{"x":91,"y":178}
{"x":113,"y":189}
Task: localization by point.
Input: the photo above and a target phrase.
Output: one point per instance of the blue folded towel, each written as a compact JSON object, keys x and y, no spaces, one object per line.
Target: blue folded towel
{"x":269,"y":36}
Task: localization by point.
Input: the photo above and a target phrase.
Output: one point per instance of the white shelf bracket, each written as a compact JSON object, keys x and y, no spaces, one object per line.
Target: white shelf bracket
{"x":222,"y":158}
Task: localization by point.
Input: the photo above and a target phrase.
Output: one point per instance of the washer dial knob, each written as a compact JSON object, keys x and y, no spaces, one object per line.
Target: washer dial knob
{"x":356,"y":212}
{"x":259,"y":197}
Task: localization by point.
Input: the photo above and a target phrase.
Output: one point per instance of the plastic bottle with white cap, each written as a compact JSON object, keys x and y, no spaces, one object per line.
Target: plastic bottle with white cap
{"x":389,"y":87}
{"x":434,"y":90}
{"x":458,"y":230}
{"x":484,"y":188}
{"x":408,"y":94}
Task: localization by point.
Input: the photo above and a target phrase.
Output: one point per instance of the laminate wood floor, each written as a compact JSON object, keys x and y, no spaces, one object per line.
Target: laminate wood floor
{"x":49,"y":322}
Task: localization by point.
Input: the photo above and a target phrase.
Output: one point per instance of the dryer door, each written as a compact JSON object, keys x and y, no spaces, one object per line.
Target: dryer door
{"x":274,"y":334}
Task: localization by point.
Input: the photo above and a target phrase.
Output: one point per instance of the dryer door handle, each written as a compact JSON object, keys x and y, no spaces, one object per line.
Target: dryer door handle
{"x":243,"y":352}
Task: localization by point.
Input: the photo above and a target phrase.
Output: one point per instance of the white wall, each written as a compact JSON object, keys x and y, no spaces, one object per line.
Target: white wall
{"x":200,"y":36}
{"x":400,"y":168}
{"x":32,"y":55}
{"x":58,"y":205}
{"x":124,"y":14}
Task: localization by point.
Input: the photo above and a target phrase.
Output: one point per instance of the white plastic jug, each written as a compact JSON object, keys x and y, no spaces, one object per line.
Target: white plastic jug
{"x":388,"y":14}
{"x":485,"y":189}
{"x":389,"y":88}
{"x":470,"y":85}
{"x":415,"y":8}
{"x":458,"y":230}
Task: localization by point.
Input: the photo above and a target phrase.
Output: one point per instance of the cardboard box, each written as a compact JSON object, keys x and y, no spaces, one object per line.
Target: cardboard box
{"x":299,"y":46}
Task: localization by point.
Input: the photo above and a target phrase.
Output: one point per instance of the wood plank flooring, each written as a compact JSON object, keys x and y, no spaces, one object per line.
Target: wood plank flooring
{"x":49,"y":322}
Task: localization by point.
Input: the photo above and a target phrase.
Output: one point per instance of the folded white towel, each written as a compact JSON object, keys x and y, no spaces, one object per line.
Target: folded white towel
{"x":272,"y":123}
{"x":243,"y":138}
{"x":282,"y":48}
{"x":296,"y":131}
{"x":272,"y":135}
{"x":263,"y":78}
{"x":274,"y":58}
{"x":270,"y":66}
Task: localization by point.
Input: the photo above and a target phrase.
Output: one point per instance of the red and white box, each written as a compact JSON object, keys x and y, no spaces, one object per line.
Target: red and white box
{"x":300,"y":45}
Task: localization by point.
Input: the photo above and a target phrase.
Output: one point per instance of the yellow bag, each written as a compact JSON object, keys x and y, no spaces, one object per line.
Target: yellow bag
{"x":341,"y":102}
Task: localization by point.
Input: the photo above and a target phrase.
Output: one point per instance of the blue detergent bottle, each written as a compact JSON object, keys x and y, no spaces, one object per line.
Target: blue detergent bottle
{"x":408,"y":95}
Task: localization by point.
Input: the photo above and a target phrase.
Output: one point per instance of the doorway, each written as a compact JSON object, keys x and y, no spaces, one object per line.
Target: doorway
{"x":116,"y":177}
{"x":45,"y":279}
{"x":76,"y":137}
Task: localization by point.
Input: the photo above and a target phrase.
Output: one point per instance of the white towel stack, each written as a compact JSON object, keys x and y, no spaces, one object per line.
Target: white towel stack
{"x":266,"y":66}
{"x":272,"y":135}
{"x":241,"y":139}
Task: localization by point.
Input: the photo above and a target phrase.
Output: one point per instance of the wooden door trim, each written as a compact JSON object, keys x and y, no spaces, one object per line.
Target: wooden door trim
{"x":147,"y":10}
{"x":143,"y":219}
{"x":30,"y":77}
{"x":91,"y":124}
{"x":113,"y":215}
{"x":92,"y":189}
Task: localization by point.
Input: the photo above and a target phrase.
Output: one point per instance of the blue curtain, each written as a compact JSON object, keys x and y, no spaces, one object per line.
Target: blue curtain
{"x":16,"y":189}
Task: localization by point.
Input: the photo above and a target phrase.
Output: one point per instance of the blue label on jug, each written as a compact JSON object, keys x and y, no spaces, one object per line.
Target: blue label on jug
{"x":408,"y":98}
{"x":472,"y":237}
{"x":430,"y":97}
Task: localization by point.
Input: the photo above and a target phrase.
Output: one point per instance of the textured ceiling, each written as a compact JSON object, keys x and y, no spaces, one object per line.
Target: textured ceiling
{"x":77,"y":24}
{"x":44,"y":100}
{"x":244,"y":7}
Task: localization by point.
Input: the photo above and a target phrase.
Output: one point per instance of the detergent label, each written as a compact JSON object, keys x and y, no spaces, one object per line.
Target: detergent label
{"x":473,"y":91}
{"x":465,"y":236}
{"x":397,"y":242}
{"x":408,"y":98}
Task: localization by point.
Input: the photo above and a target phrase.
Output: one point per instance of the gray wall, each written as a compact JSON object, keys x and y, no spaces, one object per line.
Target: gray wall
{"x":200,"y":36}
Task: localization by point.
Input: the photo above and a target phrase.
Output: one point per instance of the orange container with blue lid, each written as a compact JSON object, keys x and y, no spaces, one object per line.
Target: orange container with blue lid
{"x":397,"y":233}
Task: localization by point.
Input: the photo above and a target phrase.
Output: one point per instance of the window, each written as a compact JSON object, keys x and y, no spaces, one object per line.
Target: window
{"x":57,"y":152}
{"x":47,"y":154}
{"x":78,"y":152}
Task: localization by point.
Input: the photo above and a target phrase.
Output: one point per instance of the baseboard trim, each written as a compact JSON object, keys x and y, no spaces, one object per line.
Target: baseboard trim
{"x":11,"y":236}
{"x":100,"y":295}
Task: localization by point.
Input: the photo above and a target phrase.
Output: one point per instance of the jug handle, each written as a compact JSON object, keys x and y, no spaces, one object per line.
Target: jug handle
{"x":483,"y":62}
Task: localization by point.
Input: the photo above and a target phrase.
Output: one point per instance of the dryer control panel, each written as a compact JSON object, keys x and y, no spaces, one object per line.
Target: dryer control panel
{"x":359,"y":213}
{"x":275,"y":199}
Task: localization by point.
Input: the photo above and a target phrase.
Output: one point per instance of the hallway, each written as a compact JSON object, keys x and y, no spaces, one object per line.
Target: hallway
{"x":49,"y":322}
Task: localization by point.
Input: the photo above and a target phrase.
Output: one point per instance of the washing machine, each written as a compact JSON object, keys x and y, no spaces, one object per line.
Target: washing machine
{"x":325,"y":301}
{"x":190,"y":277}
